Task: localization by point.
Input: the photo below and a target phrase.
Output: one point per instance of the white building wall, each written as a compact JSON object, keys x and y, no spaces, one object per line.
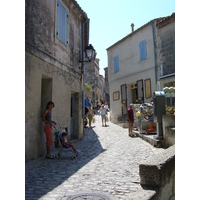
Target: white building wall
{"x":131,"y":69}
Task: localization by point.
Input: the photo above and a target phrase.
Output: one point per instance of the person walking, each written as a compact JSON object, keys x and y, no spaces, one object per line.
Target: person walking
{"x":85,"y":117}
{"x":90,"y":115}
{"x":46,"y":118}
{"x":103,"y":113}
{"x":130,"y":119}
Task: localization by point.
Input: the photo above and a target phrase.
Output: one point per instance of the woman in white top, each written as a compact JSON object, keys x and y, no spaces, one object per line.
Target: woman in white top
{"x":103,"y":113}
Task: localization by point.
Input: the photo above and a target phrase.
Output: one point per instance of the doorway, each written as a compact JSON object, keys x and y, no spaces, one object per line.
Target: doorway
{"x":46,"y":92}
{"x":133,"y":95}
{"x":124,"y":99}
{"x":140,"y":91}
{"x":75,"y":116}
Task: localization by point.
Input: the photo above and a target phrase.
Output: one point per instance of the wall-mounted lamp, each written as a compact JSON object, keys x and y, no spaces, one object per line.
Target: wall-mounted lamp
{"x":89,"y":53}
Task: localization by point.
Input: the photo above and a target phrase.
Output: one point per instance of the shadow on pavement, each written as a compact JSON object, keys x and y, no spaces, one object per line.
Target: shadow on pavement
{"x":43,"y":175}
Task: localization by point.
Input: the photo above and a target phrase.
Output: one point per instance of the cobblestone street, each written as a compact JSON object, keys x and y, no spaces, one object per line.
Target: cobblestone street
{"x":108,"y":163}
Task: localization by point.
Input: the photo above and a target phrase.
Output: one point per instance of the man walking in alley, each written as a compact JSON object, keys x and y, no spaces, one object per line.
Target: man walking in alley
{"x":130,"y":119}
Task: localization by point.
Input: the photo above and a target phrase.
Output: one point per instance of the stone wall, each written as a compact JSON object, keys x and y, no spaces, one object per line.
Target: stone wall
{"x":52,"y":72}
{"x":165,"y":50}
{"x":158,"y":173}
{"x":41,"y":76}
{"x":168,"y":123}
{"x":96,"y":81}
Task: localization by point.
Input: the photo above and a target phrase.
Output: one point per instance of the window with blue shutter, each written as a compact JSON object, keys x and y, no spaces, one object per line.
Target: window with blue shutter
{"x":116,"y":64}
{"x":143,"y":50}
{"x":62,"y":23}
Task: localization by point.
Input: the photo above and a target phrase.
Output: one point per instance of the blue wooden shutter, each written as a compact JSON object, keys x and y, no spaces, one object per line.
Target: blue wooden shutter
{"x":116,"y":63}
{"x":61,"y":23}
{"x":143,"y":50}
{"x":141,"y":54}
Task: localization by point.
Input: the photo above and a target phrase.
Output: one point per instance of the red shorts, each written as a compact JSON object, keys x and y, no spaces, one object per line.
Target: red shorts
{"x":48,"y":132}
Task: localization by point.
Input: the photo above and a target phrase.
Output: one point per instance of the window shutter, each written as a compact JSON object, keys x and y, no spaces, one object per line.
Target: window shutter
{"x":61,"y":23}
{"x":116,"y":63}
{"x":143,"y":50}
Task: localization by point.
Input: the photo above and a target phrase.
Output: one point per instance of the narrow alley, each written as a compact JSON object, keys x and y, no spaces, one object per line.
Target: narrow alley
{"x":108,"y":164}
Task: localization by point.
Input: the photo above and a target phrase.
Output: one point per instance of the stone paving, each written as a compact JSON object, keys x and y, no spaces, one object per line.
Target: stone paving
{"x":108,"y":163}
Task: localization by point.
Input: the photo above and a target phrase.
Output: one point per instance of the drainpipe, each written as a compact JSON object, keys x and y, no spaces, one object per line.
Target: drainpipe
{"x":154,"y":51}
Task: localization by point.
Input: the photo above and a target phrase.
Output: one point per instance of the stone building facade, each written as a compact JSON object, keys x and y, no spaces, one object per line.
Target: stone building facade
{"x":165,"y":51}
{"x":130,"y":63}
{"x":53,"y":48}
{"x":95,"y":80}
{"x":134,"y":64}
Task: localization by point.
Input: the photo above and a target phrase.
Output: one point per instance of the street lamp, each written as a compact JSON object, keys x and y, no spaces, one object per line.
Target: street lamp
{"x":89,"y":53}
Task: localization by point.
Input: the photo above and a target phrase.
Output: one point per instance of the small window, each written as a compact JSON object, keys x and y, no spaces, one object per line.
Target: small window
{"x":116,"y":64}
{"x":143,"y":50}
{"x":62,"y":23}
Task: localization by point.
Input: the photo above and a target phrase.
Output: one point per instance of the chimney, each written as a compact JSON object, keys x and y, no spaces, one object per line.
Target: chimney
{"x":132,"y":27}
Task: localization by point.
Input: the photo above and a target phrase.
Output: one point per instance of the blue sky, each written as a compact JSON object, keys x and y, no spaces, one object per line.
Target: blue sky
{"x":110,"y":20}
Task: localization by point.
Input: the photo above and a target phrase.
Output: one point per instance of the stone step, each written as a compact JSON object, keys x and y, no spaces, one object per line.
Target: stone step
{"x":150,"y":138}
